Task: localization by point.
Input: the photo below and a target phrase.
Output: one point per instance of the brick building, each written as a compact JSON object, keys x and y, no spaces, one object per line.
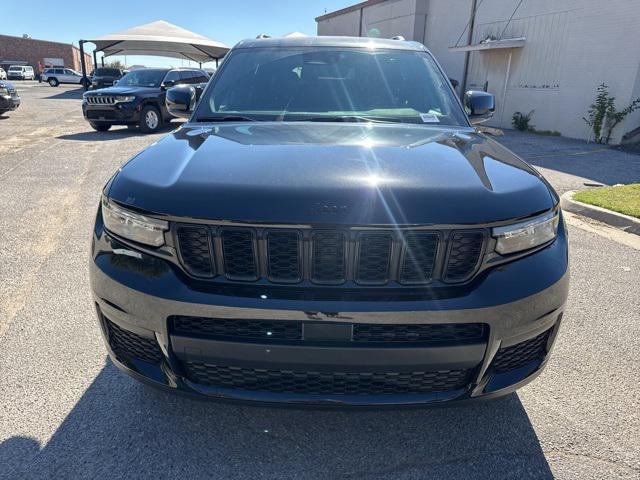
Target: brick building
{"x":40,"y":53}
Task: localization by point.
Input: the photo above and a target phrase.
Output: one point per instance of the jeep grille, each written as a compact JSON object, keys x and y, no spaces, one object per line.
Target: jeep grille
{"x":330,"y":256}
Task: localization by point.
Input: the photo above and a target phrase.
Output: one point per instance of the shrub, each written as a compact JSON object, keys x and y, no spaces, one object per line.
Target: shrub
{"x":520,"y":121}
{"x":603,"y":116}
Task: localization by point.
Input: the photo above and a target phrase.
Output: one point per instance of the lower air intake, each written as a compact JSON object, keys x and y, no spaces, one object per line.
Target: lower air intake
{"x":326,"y":383}
{"x":522,"y":353}
{"x":128,"y":345}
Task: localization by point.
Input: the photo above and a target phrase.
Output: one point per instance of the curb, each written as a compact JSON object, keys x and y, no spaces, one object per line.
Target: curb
{"x":614,"y":219}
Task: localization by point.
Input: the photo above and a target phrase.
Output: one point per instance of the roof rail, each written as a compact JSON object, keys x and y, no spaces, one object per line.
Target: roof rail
{"x":263,"y":35}
{"x":398,"y":37}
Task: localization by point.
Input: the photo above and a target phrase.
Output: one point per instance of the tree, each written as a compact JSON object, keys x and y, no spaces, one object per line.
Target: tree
{"x":603,"y":116}
{"x":115,"y":64}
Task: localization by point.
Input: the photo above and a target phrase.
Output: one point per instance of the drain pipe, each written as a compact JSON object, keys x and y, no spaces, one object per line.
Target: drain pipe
{"x":472,"y":21}
{"x":506,"y":86}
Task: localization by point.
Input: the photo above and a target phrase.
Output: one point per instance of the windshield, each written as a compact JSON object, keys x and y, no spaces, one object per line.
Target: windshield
{"x":326,"y":83}
{"x":107,"y":72}
{"x":15,"y":69}
{"x":142,"y":78}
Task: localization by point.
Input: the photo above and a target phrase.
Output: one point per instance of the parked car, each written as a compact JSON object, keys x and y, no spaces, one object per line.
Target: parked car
{"x":58,"y":75}
{"x":3,"y":74}
{"x":104,"y":77}
{"x":138,"y":100}
{"x":20,"y":72}
{"x":329,"y":228}
{"x":9,"y":98}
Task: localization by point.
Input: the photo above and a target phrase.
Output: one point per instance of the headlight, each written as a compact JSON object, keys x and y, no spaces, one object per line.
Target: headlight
{"x":133,"y":226}
{"x":526,"y":235}
{"x":4,"y":91}
{"x":123,"y":99}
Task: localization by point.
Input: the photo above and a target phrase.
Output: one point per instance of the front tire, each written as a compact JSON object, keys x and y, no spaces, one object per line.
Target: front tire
{"x":150,"y":119}
{"x":53,"y":82}
{"x":100,"y":127}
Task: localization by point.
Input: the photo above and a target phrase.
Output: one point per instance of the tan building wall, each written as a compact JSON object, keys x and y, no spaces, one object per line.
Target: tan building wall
{"x":571,"y":47}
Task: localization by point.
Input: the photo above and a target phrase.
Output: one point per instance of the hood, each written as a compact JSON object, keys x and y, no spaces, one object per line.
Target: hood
{"x":124,"y":91}
{"x":333,"y":173}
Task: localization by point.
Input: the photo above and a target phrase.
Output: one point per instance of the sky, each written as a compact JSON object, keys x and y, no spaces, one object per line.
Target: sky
{"x":227,"y":21}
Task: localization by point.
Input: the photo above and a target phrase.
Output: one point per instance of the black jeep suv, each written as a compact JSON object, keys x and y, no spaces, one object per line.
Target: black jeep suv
{"x":105,"y":77}
{"x":138,"y":99}
{"x":329,"y":229}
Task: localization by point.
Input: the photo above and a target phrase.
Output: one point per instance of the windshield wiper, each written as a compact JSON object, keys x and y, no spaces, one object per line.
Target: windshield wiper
{"x":226,"y":118}
{"x":348,"y":118}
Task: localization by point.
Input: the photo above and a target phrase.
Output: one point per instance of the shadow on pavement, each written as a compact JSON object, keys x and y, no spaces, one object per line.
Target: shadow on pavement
{"x":596,"y":162}
{"x":116,"y":133}
{"x":68,"y":94}
{"x":122,"y":429}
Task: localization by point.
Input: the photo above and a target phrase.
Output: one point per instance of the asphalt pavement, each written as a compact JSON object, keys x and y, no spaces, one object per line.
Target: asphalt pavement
{"x":66,"y":412}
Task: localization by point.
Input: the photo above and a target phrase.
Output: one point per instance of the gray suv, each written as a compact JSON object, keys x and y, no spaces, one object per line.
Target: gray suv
{"x":56,"y":76}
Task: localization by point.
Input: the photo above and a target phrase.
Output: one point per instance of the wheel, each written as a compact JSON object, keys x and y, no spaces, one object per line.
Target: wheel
{"x":54,"y":82}
{"x":100,"y":127}
{"x":150,"y":119}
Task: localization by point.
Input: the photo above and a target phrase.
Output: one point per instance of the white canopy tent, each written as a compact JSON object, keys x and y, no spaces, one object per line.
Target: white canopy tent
{"x":159,"y":38}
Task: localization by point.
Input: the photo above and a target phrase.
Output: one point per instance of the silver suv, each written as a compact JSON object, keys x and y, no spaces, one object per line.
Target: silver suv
{"x":58,"y":75}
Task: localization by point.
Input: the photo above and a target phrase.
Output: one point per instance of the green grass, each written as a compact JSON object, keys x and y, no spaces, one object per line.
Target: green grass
{"x":623,"y":199}
{"x":547,"y":133}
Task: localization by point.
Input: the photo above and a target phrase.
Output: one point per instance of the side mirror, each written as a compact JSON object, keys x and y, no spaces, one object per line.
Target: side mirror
{"x":181,"y":101}
{"x":167,"y":84}
{"x":454,"y":82}
{"x":479,"y":106}
{"x":115,"y":82}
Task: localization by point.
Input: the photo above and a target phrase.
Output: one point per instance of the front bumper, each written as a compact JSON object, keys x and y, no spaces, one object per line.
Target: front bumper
{"x":137,"y":296}
{"x":118,"y":114}
{"x":9,"y":102}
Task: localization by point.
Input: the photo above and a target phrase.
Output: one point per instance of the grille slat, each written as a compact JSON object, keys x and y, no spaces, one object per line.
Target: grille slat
{"x":195,"y":247}
{"x":240,"y":262}
{"x":520,"y":354}
{"x":128,"y":345}
{"x":373,"y":258}
{"x":328,"y":260}
{"x":323,"y":383}
{"x":283,"y":254}
{"x":465,"y":249}
{"x":419,"y":258}
{"x":291,"y":330}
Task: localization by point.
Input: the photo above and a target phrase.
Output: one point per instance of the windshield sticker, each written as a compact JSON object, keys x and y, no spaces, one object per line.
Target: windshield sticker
{"x":429,"y":118}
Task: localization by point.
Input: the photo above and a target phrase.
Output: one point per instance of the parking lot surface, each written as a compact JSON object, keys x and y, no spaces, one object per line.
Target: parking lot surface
{"x":66,"y":412}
